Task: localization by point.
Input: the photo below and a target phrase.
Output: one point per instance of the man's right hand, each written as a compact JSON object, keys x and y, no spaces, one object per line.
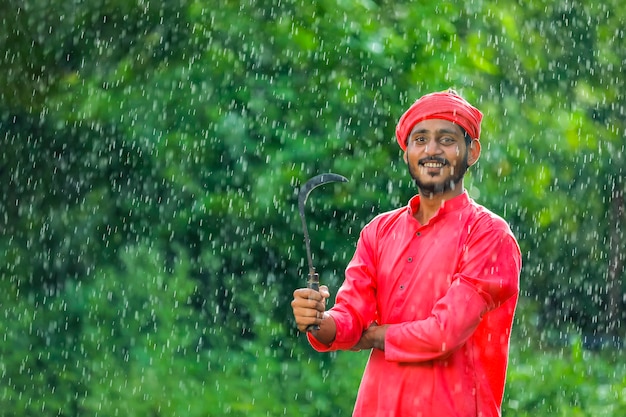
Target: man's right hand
{"x":309,"y":306}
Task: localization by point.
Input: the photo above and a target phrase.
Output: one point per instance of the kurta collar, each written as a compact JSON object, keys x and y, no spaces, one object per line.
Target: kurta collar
{"x":448,"y":206}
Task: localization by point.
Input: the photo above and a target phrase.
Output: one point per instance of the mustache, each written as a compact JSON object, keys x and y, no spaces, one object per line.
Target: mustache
{"x":433,"y":159}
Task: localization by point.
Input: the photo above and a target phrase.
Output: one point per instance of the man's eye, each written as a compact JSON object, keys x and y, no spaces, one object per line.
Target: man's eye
{"x":418,"y":139}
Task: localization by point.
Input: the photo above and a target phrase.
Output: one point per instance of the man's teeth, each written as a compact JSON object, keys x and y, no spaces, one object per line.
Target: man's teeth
{"x":433,"y":165}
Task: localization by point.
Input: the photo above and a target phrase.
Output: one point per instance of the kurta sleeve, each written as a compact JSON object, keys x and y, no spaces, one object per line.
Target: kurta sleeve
{"x":486,"y":277}
{"x":355,"y":305}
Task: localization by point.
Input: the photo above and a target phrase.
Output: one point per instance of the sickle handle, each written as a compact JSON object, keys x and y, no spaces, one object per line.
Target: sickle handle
{"x":314,"y":284}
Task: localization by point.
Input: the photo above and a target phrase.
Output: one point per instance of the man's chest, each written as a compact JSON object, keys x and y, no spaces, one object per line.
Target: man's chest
{"x":415,"y":270}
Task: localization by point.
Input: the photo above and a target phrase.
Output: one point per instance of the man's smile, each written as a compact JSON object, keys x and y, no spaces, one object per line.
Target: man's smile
{"x":433,"y":163}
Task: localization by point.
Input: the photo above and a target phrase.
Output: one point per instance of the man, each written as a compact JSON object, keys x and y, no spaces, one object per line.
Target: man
{"x":432,"y":287}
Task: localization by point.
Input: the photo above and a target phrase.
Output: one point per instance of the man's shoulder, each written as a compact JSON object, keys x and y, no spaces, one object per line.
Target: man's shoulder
{"x":487,"y":218}
{"x":385,"y":221}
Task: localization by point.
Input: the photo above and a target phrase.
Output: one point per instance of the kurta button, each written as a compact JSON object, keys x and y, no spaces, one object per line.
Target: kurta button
{"x":410,"y":259}
{"x":418,"y":234}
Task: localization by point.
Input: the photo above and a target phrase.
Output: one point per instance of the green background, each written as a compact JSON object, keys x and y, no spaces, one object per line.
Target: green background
{"x":150,"y":161}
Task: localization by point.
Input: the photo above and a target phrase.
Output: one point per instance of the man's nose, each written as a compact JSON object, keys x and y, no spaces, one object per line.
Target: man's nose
{"x":432,"y":147}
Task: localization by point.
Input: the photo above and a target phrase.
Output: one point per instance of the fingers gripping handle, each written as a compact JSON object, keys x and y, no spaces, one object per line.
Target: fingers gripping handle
{"x":314,"y":284}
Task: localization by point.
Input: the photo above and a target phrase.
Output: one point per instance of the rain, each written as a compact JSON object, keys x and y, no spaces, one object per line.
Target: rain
{"x":151,"y":158}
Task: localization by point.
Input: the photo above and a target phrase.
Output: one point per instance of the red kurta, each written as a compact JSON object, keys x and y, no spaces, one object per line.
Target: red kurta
{"x":448,"y":289}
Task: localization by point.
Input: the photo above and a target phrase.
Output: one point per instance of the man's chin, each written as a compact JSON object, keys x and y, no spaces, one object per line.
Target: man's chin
{"x":431,"y":187}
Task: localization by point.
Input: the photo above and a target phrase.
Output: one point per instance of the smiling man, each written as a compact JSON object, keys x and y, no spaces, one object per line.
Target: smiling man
{"x":432,"y":286}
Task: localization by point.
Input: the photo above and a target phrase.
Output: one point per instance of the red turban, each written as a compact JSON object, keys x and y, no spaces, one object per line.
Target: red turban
{"x":445,"y":105}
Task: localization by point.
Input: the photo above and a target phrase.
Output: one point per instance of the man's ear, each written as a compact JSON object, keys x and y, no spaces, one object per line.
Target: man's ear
{"x":406,"y":159}
{"x":473,"y":152}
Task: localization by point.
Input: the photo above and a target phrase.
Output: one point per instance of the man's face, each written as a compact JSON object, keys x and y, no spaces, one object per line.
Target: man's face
{"x":437,"y":156}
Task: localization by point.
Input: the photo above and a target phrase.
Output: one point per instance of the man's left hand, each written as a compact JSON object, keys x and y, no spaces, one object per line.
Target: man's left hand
{"x":373,"y":337}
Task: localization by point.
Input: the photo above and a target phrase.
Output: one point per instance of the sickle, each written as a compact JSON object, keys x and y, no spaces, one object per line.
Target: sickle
{"x":305,"y":190}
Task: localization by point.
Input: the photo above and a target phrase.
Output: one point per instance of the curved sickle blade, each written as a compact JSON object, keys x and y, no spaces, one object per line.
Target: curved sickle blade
{"x":303,"y":194}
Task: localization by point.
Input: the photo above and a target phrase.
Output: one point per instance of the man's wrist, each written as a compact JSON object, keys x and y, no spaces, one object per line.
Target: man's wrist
{"x":327,"y":331}
{"x":379,"y":337}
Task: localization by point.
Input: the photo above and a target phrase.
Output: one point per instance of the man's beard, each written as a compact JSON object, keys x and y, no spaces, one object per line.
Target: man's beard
{"x":448,"y":184}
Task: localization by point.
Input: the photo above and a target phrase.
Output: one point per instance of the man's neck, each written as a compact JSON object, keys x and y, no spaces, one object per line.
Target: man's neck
{"x":431,"y":203}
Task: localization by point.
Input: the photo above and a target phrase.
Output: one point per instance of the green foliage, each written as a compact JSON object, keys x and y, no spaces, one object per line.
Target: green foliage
{"x":566,"y":382}
{"x":103,"y":342}
{"x":151,"y":157}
